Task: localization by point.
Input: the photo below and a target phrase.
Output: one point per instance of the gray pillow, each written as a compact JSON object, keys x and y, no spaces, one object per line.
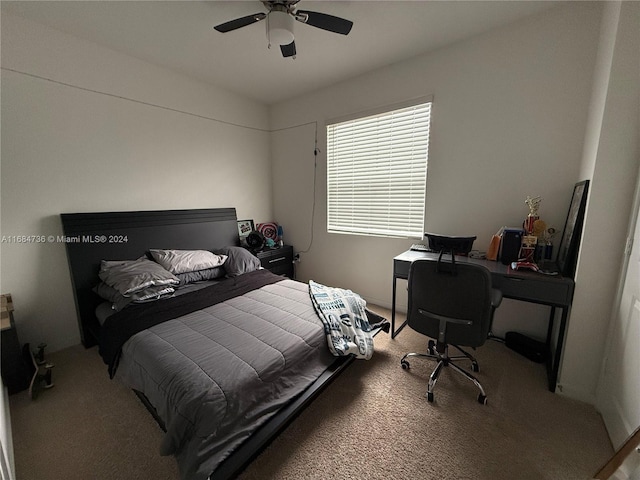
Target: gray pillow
{"x":129,"y":276}
{"x":200,"y":275}
{"x":181,"y":261}
{"x":119,"y":301}
{"x":239,"y":260}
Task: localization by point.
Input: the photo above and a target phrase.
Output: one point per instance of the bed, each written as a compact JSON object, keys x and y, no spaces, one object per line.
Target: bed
{"x":224,"y":364}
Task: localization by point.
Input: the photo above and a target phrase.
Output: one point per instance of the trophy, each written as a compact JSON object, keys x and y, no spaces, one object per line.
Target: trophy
{"x":533,"y":227}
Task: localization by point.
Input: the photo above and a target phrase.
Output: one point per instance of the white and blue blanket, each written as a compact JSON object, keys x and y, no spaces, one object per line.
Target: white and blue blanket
{"x":345,"y":320}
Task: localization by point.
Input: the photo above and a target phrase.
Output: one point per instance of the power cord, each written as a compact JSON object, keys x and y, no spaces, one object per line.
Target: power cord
{"x":316,"y":151}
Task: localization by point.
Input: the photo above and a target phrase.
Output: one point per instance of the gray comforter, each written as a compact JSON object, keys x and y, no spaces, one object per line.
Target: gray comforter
{"x":218,"y":373}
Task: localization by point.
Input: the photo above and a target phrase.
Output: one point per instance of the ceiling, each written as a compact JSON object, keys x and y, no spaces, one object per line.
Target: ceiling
{"x":179,"y":35}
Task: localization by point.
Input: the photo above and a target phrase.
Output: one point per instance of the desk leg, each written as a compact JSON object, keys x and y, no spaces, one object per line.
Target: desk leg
{"x":551,"y":356}
{"x":556,"y":358}
{"x":393,"y":309}
{"x":394,"y":331}
{"x":553,"y":363}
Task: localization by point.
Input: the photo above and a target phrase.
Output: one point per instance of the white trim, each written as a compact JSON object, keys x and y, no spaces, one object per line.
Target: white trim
{"x":381,"y":109}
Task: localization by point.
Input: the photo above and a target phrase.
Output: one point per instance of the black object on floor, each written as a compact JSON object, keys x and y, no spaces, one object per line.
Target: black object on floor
{"x":532,"y":349}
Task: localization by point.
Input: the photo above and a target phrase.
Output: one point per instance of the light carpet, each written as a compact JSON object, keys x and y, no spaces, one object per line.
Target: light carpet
{"x":372,"y":422}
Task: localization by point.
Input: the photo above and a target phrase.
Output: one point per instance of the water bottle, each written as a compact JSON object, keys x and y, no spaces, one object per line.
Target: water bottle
{"x":280,"y":232}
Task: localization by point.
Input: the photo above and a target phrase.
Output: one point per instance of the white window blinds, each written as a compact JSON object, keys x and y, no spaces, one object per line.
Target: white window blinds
{"x":377,"y":173}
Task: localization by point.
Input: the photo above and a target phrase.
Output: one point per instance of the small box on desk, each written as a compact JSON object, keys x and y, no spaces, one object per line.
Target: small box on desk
{"x":510,"y":245}
{"x":6,"y":307}
{"x":6,"y":303}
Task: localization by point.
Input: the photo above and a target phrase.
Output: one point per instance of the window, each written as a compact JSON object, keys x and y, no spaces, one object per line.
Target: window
{"x":377,"y":172}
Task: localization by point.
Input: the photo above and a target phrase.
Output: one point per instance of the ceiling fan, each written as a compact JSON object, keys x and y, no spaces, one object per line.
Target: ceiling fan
{"x":280,"y":17}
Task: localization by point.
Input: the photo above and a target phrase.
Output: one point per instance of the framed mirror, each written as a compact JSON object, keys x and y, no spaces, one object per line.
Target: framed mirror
{"x":570,"y":243}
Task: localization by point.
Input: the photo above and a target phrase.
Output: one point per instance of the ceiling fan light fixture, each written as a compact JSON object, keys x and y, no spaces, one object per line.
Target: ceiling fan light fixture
{"x":279,"y":28}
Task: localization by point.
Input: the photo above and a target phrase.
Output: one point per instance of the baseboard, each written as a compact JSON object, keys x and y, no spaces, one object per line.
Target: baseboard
{"x":576,"y":393}
{"x":400,"y":308}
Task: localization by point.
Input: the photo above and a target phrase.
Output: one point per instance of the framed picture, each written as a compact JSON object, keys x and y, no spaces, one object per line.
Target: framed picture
{"x":570,"y":243}
{"x":245,"y":227}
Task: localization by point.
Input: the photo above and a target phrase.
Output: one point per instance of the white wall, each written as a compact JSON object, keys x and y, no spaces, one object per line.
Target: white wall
{"x":611,"y":161}
{"x":614,"y":158}
{"x":509,"y":116}
{"x":87,"y":129}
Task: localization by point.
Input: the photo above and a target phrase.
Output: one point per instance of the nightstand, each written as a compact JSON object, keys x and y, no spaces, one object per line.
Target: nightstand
{"x":278,"y":260}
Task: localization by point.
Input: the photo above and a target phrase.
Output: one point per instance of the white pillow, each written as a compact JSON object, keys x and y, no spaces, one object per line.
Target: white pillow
{"x":182,"y":261}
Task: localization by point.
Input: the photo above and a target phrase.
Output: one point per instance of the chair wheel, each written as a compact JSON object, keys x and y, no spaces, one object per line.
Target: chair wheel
{"x":430,"y":397}
{"x":475,"y":367}
{"x":482,"y":399}
{"x":405,"y":365}
{"x":431,"y":346}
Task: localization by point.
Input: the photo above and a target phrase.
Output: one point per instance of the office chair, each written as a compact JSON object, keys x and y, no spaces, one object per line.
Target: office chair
{"x":453,"y":303}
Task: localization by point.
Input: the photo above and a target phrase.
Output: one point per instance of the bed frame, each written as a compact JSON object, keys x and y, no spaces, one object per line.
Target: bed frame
{"x":92,"y":237}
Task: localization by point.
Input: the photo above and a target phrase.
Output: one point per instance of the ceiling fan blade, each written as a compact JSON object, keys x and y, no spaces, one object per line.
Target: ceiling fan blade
{"x":288,"y":50}
{"x":240,"y":22}
{"x":324,"y":21}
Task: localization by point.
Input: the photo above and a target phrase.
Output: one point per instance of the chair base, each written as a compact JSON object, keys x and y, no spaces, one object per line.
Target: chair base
{"x":441,"y":354}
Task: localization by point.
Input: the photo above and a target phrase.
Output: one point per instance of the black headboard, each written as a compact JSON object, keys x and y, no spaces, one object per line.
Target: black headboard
{"x":92,"y":237}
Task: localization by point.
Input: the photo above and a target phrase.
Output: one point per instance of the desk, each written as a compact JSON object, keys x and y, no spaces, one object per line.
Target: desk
{"x":526,"y":286}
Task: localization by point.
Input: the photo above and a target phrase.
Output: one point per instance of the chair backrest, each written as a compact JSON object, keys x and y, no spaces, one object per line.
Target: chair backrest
{"x":438,"y":289}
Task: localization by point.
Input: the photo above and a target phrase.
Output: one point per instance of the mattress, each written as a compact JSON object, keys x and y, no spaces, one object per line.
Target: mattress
{"x":217,"y":373}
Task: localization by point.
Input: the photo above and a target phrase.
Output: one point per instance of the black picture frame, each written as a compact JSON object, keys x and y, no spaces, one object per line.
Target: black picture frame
{"x":570,"y":243}
{"x":245,"y":227}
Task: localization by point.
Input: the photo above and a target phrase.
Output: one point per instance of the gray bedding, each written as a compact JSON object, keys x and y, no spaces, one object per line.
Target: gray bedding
{"x":105,"y":309}
{"x":217,"y":374}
